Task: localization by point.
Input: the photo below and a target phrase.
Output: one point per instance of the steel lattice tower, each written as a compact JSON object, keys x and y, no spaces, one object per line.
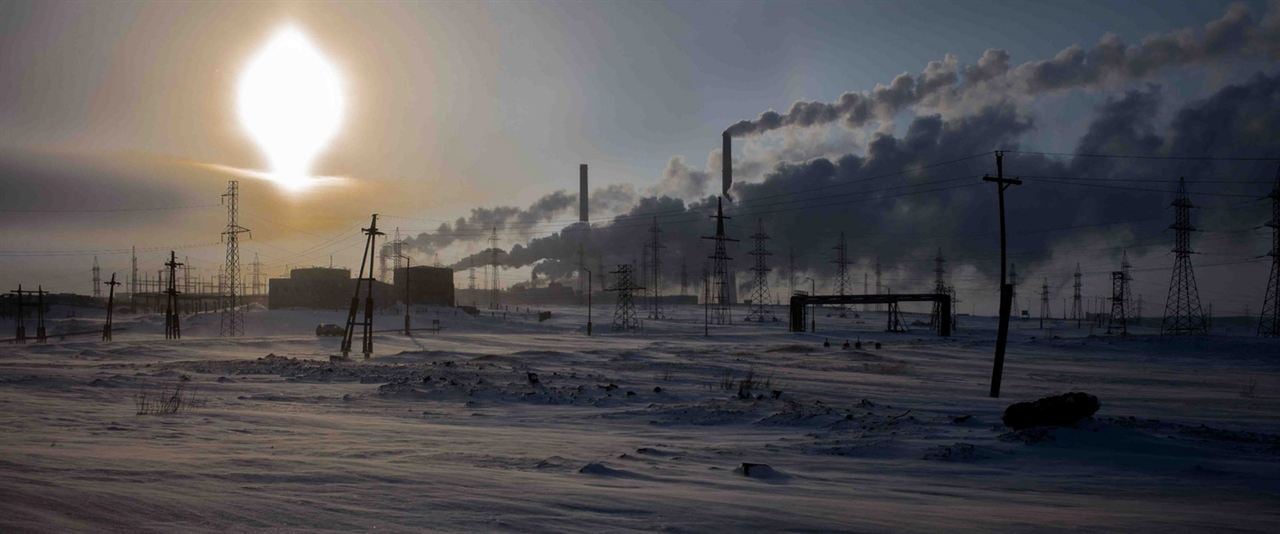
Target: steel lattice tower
{"x":1127,"y":268}
{"x":494,"y":295}
{"x":624,"y":314}
{"x":1182,"y":311}
{"x":97,"y":279}
{"x":720,"y":280}
{"x":1119,"y":316}
{"x":939,"y":288}
{"x":232,"y":321}
{"x":760,"y":287}
{"x":1269,"y":323}
{"x":257,"y":275}
{"x":1013,"y":295}
{"x":1044,"y":302}
{"x":1077,"y":313}
{"x":172,"y":330}
{"x":655,"y":271}
{"x":842,"y":266}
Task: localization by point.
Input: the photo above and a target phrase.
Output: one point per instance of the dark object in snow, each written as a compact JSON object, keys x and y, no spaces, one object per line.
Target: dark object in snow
{"x":329,"y":330}
{"x":846,"y":345}
{"x":1059,"y":410}
{"x":826,"y":342}
{"x":609,"y":387}
{"x":877,"y":345}
{"x":776,"y":393}
{"x":631,"y":393}
{"x":961,"y":418}
{"x":657,"y":389}
{"x":543,"y":315}
{"x":759,"y":471}
{"x":533,"y":379}
{"x":858,"y":344}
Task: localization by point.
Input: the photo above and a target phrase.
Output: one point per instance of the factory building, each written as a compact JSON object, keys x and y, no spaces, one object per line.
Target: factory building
{"x":427,"y":285}
{"x":322,"y":288}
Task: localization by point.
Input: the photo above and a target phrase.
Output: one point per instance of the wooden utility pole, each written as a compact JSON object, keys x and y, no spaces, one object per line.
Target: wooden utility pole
{"x":111,"y":301}
{"x":1006,"y":290}
{"x":172,"y":330}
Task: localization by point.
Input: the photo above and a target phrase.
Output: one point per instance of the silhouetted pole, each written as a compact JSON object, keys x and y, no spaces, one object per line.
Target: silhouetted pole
{"x":588,"y":271}
{"x":40,"y":332}
{"x":20,"y":334}
{"x":111,"y":298}
{"x":1006,"y":290}
{"x":813,"y":311}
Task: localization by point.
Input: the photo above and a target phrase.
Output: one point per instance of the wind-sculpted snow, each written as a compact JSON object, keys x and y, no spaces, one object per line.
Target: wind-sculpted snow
{"x":513,"y":425}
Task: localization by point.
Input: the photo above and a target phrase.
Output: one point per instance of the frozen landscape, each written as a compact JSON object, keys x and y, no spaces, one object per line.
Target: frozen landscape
{"x":513,"y":424}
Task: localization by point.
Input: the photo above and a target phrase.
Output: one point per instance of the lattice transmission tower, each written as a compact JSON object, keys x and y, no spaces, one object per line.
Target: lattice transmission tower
{"x":97,"y":279}
{"x":1044,"y":302}
{"x":1013,"y":294}
{"x":1127,"y":269}
{"x":760,"y":287}
{"x":1119,"y":291}
{"x":939,"y":288}
{"x":655,"y":271}
{"x":624,"y":314}
{"x":720,"y":283}
{"x":232,"y":320}
{"x":1182,"y":311}
{"x":172,"y":330}
{"x":494,"y":295}
{"x":1269,"y":323}
{"x":1077,"y":312}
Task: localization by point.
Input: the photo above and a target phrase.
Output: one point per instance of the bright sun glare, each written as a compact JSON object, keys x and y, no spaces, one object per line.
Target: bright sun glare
{"x":290,"y":100}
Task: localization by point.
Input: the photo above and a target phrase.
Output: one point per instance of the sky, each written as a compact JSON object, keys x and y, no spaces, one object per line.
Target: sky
{"x":118,"y":128}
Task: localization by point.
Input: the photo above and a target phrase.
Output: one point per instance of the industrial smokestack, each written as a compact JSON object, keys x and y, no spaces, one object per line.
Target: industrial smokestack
{"x":726,"y":166}
{"x":582,"y":192}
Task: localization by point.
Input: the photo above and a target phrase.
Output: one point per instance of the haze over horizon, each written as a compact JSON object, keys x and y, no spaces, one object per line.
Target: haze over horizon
{"x":119,"y":129}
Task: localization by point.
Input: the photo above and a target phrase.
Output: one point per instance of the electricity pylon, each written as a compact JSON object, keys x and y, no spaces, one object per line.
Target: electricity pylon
{"x":172,"y":330}
{"x":720,"y":280}
{"x":1077,"y":312}
{"x":232,"y":320}
{"x":1182,"y":311}
{"x":1269,"y":323}
{"x":760,"y":288}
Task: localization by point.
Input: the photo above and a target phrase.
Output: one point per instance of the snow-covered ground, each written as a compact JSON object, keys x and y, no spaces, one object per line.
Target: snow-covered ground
{"x":644,"y":430}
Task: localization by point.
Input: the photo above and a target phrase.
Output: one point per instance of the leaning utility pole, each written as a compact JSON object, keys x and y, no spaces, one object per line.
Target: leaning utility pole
{"x":760,"y":289}
{"x":172,"y":330}
{"x":720,"y":280}
{"x":1269,"y":323}
{"x":232,"y":320}
{"x":1006,"y":289}
{"x":97,"y":279}
{"x":1077,"y":312}
{"x":1182,"y":311}
{"x":366,"y":260}
{"x":111,"y":301}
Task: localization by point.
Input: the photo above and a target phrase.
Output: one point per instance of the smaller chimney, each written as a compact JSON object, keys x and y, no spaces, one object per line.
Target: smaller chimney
{"x":582,"y":192}
{"x":726,"y":165}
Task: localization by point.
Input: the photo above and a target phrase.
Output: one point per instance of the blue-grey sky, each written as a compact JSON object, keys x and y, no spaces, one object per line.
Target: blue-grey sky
{"x":459,"y":105}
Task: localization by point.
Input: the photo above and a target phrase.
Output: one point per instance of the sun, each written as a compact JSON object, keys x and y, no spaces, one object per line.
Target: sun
{"x":290,"y":101}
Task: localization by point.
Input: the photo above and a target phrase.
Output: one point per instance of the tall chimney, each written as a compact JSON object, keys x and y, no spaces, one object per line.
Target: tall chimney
{"x":582,"y":192}
{"x":726,"y":165}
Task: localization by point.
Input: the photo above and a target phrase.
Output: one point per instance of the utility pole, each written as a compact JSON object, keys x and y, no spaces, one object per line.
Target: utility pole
{"x":879,"y":288}
{"x":1182,"y":311}
{"x":232,"y":320}
{"x":41,"y":335}
{"x":111,"y":301}
{"x":97,"y":279}
{"x":133,"y":277}
{"x":1269,"y":322}
{"x":589,"y":288}
{"x":20,"y":321}
{"x":791,"y":269}
{"x":408,"y":303}
{"x":1006,"y":290}
{"x":366,"y":260}
{"x":1077,"y":312}
{"x":172,"y":329}
{"x":760,"y":289}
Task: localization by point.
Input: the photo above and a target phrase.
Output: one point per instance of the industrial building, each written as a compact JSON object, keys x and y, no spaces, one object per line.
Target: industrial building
{"x":427,"y":285}
{"x":321,"y":288}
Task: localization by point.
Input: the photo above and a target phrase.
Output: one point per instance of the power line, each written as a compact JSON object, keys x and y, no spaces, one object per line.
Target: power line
{"x":1138,"y":156}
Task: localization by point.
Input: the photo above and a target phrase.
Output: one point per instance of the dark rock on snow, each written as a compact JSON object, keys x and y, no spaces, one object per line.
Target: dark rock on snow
{"x":1058,"y":410}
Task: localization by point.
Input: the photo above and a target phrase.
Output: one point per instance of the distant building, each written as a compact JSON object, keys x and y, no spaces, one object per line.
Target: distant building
{"x":427,"y":285}
{"x":323,"y":289}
